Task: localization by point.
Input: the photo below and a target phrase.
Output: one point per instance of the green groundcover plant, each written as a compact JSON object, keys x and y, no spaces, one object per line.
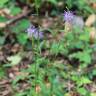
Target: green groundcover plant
{"x":68,"y":68}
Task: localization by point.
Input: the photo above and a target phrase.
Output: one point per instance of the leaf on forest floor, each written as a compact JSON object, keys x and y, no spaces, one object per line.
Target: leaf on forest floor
{"x":90,"y":20}
{"x":2,"y":24}
{"x":93,"y":35}
{"x":14,"y":60}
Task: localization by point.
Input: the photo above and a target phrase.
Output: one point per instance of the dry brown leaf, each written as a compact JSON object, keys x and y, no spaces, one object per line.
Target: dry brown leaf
{"x":93,"y":5}
{"x":15,"y":48}
{"x":38,"y":89}
{"x":2,"y":24}
{"x":93,"y":35}
{"x":47,"y":23}
{"x":2,"y":82}
{"x":68,"y":27}
{"x":11,"y":75}
{"x":5,"y":93}
{"x":90,"y":20}
{"x":3,"y":11}
{"x":21,"y":74}
{"x":48,"y":85}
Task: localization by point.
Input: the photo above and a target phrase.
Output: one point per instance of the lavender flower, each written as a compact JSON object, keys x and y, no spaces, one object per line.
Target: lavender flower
{"x":74,"y":20}
{"x":32,"y":31}
{"x":68,"y":16}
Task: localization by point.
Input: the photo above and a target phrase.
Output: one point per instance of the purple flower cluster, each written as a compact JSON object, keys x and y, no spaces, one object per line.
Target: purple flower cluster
{"x":68,"y":16}
{"x":33,"y":31}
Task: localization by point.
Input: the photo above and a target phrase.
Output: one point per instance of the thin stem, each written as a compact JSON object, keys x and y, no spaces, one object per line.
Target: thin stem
{"x":38,"y":43}
{"x":35,"y":54}
{"x":35,"y":63}
{"x":36,"y":6}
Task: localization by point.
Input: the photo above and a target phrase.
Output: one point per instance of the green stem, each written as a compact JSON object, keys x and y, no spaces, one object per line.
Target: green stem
{"x":35,"y":64}
{"x":36,"y":6}
{"x":34,"y":55}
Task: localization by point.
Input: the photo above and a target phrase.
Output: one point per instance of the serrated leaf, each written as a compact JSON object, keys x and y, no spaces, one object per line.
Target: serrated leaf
{"x":83,"y":80}
{"x":82,"y":56}
{"x":82,"y":91}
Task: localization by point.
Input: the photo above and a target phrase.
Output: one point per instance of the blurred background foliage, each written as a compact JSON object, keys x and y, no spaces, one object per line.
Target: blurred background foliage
{"x":62,"y":66}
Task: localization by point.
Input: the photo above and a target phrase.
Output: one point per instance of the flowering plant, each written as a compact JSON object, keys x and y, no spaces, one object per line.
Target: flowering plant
{"x":32,"y":31}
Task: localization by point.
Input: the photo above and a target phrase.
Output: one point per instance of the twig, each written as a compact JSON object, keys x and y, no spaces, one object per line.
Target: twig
{"x":23,"y":15}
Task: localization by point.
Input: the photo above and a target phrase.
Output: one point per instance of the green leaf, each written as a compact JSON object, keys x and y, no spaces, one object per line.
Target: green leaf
{"x":53,"y":1}
{"x":2,"y":73}
{"x":55,"y":48}
{"x":21,"y":94}
{"x":2,"y":40}
{"x":82,"y":56}
{"x":85,"y":36}
{"x":21,"y":26}
{"x":22,"y":38}
{"x":3,"y":19}
{"x":2,"y":2}
{"x":15,"y":10}
{"x":82,"y":91}
{"x":85,"y":57}
{"x":94,"y":72}
{"x":38,"y":3}
{"x":75,"y":78}
{"x":83,"y":80}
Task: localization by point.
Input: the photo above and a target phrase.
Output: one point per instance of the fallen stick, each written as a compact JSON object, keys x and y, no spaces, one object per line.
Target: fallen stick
{"x":11,"y":21}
